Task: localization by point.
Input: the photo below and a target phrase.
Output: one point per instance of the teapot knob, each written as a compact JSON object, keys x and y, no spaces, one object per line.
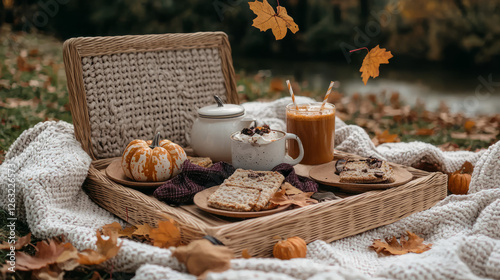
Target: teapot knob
{"x":219,"y":101}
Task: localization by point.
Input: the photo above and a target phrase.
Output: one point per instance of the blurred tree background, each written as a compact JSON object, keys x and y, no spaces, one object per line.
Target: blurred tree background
{"x":459,"y":33}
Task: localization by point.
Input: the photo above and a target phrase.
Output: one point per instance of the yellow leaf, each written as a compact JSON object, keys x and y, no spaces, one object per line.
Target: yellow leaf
{"x":279,"y":21}
{"x":372,"y":61}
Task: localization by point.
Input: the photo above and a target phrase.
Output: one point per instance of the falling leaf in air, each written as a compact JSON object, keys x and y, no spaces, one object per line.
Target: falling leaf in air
{"x":20,"y":243}
{"x":413,"y":244}
{"x":201,"y":257}
{"x":106,"y":249}
{"x":166,"y":235}
{"x":372,"y":61}
{"x":278,"y":21}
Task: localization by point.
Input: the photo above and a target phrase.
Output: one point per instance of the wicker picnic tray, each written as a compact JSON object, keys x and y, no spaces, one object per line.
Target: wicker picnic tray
{"x":326,"y":221}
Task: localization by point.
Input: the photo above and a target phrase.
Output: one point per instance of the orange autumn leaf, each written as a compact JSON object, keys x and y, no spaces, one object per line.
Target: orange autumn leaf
{"x":166,"y":235}
{"x":245,"y":254}
{"x":106,"y":249}
{"x":276,"y":85}
{"x":278,"y":21}
{"x":469,"y":125}
{"x":385,"y":137}
{"x":424,"y":132}
{"x":20,"y":243}
{"x":372,"y":61}
{"x":413,"y":244}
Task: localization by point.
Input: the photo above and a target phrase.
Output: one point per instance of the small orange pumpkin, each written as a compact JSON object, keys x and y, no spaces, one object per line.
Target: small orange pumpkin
{"x":458,"y":183}
{"x":293,"y":247}
{"x":152,"y":161}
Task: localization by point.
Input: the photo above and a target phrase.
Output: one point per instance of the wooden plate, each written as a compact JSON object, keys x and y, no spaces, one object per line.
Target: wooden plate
{"x":325,"y":174}
{"x":115,"y":172}
{"x":201,"y":198}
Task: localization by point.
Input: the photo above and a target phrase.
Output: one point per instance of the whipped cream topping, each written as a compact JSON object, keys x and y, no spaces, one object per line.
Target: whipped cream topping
{"x":265,"y":138}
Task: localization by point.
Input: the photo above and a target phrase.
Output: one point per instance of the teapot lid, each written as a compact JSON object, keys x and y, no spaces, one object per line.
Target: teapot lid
{"x":221,"y":110}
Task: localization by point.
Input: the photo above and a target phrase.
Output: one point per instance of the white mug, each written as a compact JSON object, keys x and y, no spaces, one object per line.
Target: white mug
{"x":263,"y":157}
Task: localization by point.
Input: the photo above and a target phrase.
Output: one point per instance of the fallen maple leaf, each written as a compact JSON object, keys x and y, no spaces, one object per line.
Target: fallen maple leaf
{"x":413,"y":244}
{"x":385,"y":137}
{"x":106,"y":249}
{"x":280,"y":198}
{"x":143,"y":230}
{"x":372,"y":61}
{"x":201,"y":257}
{"x":47,"y":253}
{"x":278,"y":21}
{"x":115,"y":227}
{"x":20,"y":243}
{"x":166,"y":235}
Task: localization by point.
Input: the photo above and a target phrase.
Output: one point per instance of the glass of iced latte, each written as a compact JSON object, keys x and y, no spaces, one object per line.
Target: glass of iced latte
{"x":315,"y":126}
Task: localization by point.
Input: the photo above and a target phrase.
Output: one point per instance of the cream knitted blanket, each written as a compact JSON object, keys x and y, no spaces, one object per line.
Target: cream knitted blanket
{"x":47,"y":167}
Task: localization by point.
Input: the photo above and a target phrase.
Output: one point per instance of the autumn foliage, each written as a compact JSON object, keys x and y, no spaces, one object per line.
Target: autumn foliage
{"x":279,"y":22}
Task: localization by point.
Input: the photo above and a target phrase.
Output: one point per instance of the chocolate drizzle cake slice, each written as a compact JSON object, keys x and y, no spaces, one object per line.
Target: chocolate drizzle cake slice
{"x":370,"y":170}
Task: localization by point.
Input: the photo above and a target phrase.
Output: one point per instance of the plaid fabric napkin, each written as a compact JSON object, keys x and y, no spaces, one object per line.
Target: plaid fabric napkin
{"x":193,"y":179}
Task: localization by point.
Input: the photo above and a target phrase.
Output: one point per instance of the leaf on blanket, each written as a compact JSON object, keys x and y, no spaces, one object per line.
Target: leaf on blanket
{"x":201,"y":257}
{"x":166,"y":235}
{"x":413,"y":244}
{"x":117,"y":228}
{"x":143,"y":230}
{"x":106,"y":249}
{"x":280,"y":198}
{"x":245,"y":254}
{"x":20,"y":243}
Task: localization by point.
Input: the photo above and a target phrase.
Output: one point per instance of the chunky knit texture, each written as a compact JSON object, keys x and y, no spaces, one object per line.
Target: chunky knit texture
{"x":48,"y":168}
{"x":132,"y":95}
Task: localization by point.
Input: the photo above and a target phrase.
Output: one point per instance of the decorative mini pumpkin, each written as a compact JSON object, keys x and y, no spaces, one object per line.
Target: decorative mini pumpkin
{"x":459,"y":181}
{"x":152,"y":161}
{"x":293,"y":247}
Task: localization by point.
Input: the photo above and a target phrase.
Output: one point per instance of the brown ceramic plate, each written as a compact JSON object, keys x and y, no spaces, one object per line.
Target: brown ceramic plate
{"x":325,"y":174}
{"x":201,"y":198}
{"x":115,"y":172}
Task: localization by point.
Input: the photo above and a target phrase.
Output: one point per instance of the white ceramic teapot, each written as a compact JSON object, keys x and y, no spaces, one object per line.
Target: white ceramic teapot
{"x":211,"y":131}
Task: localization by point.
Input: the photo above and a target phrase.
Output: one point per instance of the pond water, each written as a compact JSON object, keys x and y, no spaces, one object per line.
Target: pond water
{"x":470,"y":92}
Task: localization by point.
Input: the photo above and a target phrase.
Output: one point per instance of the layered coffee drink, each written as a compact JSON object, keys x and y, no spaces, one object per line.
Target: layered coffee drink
{"x":315,"y":126}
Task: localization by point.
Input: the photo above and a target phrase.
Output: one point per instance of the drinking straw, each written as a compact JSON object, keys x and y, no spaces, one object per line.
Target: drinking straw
{"x":327,"y":95}
{"x":291,"y":93}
